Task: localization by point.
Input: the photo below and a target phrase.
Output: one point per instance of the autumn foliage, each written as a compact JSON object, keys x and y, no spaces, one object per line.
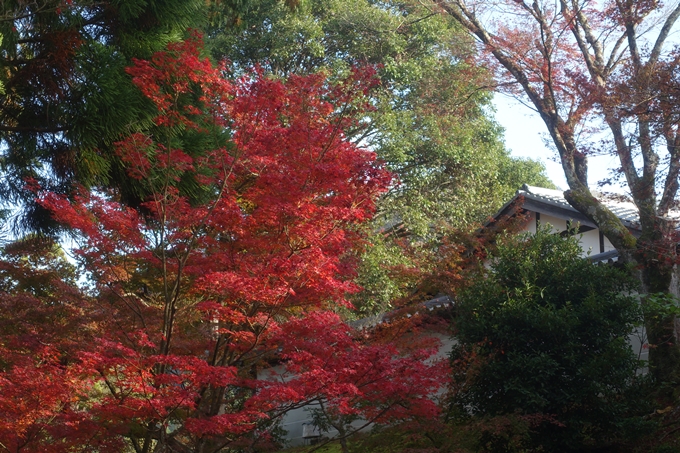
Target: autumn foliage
{"x":603,"y":78}
{"x":230,"y":266}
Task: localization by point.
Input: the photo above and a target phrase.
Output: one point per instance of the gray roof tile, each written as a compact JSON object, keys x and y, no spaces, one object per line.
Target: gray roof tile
{"x":623,"y":208}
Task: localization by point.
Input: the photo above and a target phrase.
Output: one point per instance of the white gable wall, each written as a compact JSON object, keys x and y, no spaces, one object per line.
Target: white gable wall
{"x":590,"y":244}
{"x":590,"y":240}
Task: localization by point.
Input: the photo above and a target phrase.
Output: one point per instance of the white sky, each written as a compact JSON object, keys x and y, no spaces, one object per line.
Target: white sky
{"x":526,"y":134}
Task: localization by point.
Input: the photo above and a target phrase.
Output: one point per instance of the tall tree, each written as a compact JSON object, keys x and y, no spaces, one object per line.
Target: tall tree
{"x":431,"y":122}
{"x":194,"y":292}
{"x":65,"y":95}
{"x":593,"y":70}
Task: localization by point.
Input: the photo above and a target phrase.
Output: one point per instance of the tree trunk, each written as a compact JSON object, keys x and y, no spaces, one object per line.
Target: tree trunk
{"x":655,"y":252}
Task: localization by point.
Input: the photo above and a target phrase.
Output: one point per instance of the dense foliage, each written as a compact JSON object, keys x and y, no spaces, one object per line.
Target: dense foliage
{"x":430,"y":123}
{"x":232,"y":265}
{"x":222,"y":216}
{"x":543,"y":337}
{"x":66,"y":98}
{"x":603,"y":78}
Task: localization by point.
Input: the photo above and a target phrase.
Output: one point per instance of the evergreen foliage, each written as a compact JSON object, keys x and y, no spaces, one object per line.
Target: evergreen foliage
{"x":66,"y":97}
{"x":544,"y":333}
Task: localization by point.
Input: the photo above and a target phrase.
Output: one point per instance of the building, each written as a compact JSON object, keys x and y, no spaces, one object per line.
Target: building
{"x":539,"y":206}
{"x":549,"y":207}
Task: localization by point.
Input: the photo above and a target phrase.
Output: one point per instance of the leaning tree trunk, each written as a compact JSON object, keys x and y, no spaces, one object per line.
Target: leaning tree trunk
{"x":653,"y":255}
{"x":571,"y":36}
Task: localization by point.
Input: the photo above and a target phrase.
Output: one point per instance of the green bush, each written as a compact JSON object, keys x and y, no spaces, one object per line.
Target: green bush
{"x":542,"y":334}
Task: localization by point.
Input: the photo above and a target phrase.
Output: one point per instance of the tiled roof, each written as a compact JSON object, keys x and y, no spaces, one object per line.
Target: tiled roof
{"x":609,"y":257}
{"x":622,"y":208}
{"x":438,"y":302}
{"x":429,"y":305}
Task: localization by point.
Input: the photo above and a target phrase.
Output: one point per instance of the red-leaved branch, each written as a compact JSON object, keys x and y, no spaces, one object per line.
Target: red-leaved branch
{"x":252,"y":199}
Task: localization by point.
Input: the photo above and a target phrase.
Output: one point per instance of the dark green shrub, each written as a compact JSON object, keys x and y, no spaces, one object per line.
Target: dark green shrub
{"x":543,"y":335}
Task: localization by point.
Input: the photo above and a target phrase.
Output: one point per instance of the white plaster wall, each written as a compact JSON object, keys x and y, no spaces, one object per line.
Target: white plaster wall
{"x":531,"y":224}
{"x":638,"y":341}
{"x":557,"y":224}
{"x":608,"y":247}
{"x":590,"y":240}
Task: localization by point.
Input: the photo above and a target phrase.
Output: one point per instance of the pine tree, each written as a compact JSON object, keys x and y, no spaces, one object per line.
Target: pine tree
{"x":65,"y":95}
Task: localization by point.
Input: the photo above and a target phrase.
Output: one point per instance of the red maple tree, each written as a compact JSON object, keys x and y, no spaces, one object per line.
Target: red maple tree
{"x":231,"y":265}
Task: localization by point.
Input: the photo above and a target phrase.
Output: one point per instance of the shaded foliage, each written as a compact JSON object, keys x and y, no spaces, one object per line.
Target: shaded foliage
{"x":543,"y":338}
{"x":66,"y":97}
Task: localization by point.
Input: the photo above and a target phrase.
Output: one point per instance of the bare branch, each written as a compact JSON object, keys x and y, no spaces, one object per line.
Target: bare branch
{"x":663,"y":34}
{"x":670,"y":190}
